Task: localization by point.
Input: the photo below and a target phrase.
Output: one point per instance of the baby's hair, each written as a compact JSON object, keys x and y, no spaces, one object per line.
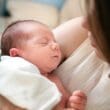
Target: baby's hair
{"x":14,"y":34}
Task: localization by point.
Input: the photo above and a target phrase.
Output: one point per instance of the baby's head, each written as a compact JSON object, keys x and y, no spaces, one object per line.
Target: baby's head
{"x":32,"y":41}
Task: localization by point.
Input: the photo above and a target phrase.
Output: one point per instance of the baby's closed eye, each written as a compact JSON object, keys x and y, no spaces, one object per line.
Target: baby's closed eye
{"x":43,"y":41}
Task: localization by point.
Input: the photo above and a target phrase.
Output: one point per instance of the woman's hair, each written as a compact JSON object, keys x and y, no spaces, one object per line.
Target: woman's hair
{"x":98,"y":16}
{"x":14,"y":35}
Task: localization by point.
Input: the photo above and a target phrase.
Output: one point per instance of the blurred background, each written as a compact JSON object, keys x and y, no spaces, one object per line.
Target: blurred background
{"x":50,"y":12}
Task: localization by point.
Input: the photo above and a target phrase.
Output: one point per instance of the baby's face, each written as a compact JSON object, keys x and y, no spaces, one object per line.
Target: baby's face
{"x":42,"y":50}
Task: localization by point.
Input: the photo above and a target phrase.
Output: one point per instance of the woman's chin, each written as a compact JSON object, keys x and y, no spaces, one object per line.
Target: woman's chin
{"x":99,"y":54}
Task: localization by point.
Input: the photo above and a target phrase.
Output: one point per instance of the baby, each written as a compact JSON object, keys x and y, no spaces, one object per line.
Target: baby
{"x":34,"y":42}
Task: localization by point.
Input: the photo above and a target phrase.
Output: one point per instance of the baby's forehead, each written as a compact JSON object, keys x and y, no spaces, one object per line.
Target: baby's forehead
{"x":27,"y":26}
{"x":33,"y":27}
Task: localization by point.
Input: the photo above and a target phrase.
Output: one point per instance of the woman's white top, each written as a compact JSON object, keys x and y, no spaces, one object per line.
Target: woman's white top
{"x":84,"y":71}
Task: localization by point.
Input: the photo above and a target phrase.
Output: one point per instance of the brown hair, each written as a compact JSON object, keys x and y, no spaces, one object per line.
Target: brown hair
{"x":14,"y":34}
{"x":98,"y":16}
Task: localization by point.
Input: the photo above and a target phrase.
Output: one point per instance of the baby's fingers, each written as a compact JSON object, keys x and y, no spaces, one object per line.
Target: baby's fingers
{"x":70,"y":109}
{"x":76,"y":106}
{"x":78,"y":100}
{"x":80,"y":94}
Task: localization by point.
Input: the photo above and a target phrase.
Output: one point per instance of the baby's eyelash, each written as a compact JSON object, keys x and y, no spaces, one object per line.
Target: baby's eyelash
{"x":44,"y":43}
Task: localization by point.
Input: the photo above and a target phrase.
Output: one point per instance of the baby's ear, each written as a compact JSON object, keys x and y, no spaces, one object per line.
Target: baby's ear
{"x":14,"y":52}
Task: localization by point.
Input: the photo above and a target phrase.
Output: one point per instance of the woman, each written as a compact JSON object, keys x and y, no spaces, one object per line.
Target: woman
{"x":83,"y":70}
{"x":86,"y":70}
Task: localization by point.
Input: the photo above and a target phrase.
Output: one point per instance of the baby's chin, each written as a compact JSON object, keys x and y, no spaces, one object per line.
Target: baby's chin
{"x":48,"y":69}
{"x":53,"y":68}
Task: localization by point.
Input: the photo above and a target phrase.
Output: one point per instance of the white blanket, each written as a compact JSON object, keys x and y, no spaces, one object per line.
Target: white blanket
{"x":22,"y":84}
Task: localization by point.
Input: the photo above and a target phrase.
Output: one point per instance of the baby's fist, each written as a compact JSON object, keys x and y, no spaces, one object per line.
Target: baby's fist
{"x":78,"y":100}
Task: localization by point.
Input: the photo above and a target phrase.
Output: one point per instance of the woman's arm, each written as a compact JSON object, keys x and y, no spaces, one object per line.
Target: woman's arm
{"x":7,"y":105}
{"x":70,"y":35}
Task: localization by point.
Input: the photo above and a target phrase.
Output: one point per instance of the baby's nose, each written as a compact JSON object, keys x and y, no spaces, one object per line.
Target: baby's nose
{"x":55,"y":46}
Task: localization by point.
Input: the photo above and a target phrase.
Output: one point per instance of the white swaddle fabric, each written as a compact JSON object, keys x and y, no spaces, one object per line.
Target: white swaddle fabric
{"x":84,"y":71}
{"x":23,"y":85}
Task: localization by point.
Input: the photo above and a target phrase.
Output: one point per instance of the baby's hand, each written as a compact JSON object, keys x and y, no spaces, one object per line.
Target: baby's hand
{"x":78,"y":100}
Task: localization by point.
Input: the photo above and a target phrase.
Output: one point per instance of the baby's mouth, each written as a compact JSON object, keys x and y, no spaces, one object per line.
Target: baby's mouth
{"x":56,"y":56}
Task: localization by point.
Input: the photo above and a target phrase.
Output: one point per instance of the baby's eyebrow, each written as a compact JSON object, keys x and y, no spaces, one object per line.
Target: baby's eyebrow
{"x":47,"y":38}
{"x":42,"y":39}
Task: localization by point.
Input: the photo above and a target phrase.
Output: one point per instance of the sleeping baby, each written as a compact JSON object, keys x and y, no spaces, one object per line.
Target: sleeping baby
{"x":29,"y":55}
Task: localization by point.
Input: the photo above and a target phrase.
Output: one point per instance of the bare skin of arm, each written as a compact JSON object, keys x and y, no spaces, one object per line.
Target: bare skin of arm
{"x":70,"y":35}
{"x":6,"y":105}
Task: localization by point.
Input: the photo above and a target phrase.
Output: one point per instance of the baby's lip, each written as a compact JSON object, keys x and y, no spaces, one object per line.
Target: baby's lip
{"x":56,"y":56}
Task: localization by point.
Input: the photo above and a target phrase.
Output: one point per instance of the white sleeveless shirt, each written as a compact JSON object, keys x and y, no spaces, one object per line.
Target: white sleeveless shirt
{"x":84,"y":71}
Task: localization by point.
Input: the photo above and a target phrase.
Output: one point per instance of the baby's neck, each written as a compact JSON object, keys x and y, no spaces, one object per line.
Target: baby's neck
{"x":46,"y":74}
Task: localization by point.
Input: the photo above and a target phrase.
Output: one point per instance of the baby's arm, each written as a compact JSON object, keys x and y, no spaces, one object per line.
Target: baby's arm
{"x":77,"y":100}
